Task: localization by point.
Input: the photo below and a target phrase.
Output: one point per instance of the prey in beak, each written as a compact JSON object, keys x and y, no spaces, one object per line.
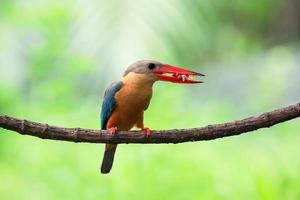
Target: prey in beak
{"x":176,"y":74}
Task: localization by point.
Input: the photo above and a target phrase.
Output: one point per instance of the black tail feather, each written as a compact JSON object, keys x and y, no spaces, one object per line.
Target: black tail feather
{"x":108,"y":158}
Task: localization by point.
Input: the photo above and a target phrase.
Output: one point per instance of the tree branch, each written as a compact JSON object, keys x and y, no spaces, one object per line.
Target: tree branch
{"x":209,"y":132}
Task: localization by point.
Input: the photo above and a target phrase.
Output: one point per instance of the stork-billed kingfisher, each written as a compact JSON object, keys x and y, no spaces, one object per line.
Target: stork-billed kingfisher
{"x":125,"y":101}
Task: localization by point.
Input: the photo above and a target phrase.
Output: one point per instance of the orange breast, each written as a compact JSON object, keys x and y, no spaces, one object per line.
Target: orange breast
{"x":131,"y":101}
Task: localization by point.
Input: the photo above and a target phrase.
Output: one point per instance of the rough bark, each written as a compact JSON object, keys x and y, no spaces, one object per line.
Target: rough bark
{"x":210,"y":132}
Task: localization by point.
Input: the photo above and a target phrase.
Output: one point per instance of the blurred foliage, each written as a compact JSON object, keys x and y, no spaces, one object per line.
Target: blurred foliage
{"x":56,"y":58}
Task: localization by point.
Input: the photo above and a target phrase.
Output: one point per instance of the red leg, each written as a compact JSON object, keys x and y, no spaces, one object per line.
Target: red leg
{"x":113,"y":130}
{"x":147,"y":131}
{"x":140,"y":124}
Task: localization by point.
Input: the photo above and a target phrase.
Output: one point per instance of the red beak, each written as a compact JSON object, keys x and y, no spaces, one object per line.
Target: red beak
{"x":175,"y":74}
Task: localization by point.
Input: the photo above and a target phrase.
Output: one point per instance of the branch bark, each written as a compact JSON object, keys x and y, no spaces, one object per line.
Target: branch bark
{"x":209,"y":132}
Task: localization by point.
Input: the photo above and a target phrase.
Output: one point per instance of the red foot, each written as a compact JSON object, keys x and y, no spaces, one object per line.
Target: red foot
{"x":147,"y":131}
{"x":113,"y":130}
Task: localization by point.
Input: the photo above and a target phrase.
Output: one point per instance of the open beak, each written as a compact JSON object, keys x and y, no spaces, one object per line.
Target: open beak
{"x":176,"y":74}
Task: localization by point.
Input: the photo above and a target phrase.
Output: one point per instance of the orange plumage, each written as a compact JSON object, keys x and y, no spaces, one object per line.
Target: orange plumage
{"x":131,"y":101}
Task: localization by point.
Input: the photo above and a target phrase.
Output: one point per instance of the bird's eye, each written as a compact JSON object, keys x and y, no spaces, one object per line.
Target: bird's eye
{"x":151,"y":66}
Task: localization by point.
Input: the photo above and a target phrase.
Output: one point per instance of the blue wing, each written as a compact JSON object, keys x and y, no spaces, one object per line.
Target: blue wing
{"x":109,"y":102}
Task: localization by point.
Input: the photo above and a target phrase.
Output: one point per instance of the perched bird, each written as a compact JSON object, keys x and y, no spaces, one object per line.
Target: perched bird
{"x":125,"y":101}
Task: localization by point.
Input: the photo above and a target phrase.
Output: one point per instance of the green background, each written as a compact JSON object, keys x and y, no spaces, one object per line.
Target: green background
{"x":57,"y":57}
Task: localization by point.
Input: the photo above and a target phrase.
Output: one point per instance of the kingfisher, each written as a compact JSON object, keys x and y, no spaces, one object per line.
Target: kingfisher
{"x":125,"y":101}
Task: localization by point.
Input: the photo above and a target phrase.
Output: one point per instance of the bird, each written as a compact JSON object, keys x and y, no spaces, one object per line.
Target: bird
{"x":125,"y":101}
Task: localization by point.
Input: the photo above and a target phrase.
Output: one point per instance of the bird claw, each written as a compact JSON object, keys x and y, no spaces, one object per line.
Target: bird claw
{"x":147,"y":131}
{"x":113,"y":130}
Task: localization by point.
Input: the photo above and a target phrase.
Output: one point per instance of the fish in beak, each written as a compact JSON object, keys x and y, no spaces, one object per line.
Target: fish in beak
{"x":176,"y":74}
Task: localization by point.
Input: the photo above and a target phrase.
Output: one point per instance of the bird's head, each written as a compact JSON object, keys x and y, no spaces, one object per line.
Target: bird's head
{"x":154,"y":71}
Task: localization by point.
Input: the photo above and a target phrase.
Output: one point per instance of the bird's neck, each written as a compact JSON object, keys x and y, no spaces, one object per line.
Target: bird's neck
{"x":139,"y":81}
